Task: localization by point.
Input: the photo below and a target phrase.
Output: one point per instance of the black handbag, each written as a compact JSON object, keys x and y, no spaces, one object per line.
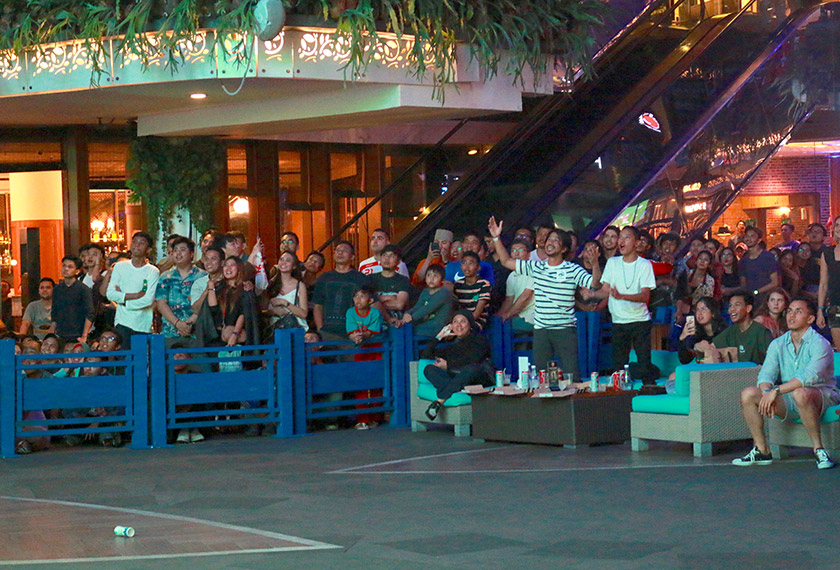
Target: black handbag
{"x":289,"y":321}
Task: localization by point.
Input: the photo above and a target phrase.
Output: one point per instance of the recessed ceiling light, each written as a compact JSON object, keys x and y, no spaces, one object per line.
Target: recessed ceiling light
{"x":472,"y":151}
{"x":198,"y":96}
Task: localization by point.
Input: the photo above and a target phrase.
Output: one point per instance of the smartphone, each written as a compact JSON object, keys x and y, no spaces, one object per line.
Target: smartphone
{"x":435,"y":246}
{"x":689,"y":320}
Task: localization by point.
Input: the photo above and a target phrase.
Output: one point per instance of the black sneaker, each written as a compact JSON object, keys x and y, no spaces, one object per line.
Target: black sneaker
{"x":823,"y":459}
{"x":432,"y":410}
{"x":754,"y":457}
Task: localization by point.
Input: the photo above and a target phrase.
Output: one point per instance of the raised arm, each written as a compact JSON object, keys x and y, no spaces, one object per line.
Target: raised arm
{"x":495,"y":231}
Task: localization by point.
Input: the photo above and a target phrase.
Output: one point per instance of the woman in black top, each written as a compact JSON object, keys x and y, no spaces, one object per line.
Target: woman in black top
{"x":706,"y":325}
{"x":464,"y":362}
{"x":829,"y":291}
{"x":730,"y":279}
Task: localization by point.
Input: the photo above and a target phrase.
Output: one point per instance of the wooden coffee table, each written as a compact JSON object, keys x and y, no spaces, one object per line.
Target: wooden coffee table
{"x":581,"y":419}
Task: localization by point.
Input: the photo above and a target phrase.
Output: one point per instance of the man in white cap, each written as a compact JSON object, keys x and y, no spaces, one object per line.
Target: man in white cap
{"x":439,"y":254}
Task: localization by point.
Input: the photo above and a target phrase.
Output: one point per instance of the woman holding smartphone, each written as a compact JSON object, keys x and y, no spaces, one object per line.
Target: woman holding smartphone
{"x":704,"y":324}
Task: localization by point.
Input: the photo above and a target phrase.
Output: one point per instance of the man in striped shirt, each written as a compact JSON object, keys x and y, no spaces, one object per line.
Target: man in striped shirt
{"x":555,"y":282}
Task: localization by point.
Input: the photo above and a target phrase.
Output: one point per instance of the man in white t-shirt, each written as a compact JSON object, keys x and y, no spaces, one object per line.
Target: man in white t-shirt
{"x":132,"y":287}
{"x":627,"y":281}
{"x":518,"y":306}
{"x":378,"y":240}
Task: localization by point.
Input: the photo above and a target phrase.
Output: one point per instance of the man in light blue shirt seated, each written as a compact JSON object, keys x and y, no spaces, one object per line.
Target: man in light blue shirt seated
{"x":796,"y":381}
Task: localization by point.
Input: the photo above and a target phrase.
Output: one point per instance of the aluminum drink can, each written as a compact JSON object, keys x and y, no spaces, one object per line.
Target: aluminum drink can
{"x":543,"y":381}
{"x":616,"y":379}
{"x":500,"y":378}
{"x":622,"y":379}
{"x":593,"y":382}
{"x":523,"y":380}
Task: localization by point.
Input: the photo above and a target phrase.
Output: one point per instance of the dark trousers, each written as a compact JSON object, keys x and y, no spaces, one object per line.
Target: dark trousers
{"x":448,"y":382}
{"x":632,"y":335}
{"x":126,"y":334}
{"x":561,"y":343}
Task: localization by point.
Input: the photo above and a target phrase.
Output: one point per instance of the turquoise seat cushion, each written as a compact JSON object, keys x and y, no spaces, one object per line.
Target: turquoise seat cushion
{"x":829,"y":417}
{"x":683,"y":377}
{"x":665,"y":360}
{"x":664,"y":404}
{"x":425,"y":390}
{"x":837,"y":364}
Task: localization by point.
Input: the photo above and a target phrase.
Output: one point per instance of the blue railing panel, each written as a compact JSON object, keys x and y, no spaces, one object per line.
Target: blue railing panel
{"x":70,"y":392}
{"x":347,"y":377}
{"x":213,"y":387}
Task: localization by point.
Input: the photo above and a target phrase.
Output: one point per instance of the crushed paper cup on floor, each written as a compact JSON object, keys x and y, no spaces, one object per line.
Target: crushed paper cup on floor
{"x":125,"y":531}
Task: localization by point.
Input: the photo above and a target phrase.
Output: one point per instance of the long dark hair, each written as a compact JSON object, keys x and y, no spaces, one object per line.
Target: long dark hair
{"x":718,"y":324}
{"x":277,"y":281}
{"x":230,"y":294}
{"x":734,"y":258}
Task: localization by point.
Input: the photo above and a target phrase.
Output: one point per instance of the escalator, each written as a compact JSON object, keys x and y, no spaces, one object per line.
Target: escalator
{"x":632,"y":142}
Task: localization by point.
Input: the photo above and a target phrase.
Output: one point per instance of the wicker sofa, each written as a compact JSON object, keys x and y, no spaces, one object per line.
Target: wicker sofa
{"x":791,"y":434}
{"x":704,"y":409}
{"x":456,"y":411}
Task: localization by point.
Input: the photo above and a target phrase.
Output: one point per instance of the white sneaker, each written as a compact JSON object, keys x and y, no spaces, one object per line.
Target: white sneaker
{"x":183,"y":436}
{"x":195,"y":436}
{"x":823,"y":460}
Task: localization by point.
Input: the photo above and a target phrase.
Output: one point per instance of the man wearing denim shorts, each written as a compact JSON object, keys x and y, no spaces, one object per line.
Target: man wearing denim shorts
{"x":796,"y":382}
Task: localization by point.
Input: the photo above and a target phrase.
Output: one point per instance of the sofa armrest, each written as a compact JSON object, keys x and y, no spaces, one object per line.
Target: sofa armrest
{"x":716,"y":398}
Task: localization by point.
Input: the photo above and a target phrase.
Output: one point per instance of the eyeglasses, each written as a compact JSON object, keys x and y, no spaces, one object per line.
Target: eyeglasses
{"x":109,"y":338}
{"x":523,"y":235}
{"x":287,"y":241}
{"x":518,"y":250}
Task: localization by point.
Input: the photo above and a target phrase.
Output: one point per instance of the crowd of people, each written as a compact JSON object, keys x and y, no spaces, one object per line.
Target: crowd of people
{"x":730,"y":301}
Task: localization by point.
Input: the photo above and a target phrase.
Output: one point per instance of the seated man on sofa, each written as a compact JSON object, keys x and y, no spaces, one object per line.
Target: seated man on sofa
{"x":744,"y":341}
{"x":796,"y":381}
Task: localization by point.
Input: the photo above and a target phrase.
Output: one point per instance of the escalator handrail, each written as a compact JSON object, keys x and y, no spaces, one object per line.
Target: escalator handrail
{"x":522,"y":135}
{"x":620,"y":37}
{"x":782,"y":34}
{"x":393,"y":185}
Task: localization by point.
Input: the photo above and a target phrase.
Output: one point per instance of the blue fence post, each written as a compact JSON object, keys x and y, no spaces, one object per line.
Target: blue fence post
{"x":140,"y":438}
{"x":399,"y":373}
{"x":593,"y":339}
{"x":582,"y":336}
{"x":284,"y":379}
{"x":8,"y":402}
{"x":498,"y":348}
{"x":157,"y":389}
{"x":295,"y":370}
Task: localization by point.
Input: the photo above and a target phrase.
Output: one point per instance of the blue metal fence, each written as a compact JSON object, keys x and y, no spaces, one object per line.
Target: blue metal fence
{"x":150,"y":389}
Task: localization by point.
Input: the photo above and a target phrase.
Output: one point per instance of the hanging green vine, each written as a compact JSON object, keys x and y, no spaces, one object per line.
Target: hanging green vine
{"x":527,"y":30}
{"x":168,"y":174}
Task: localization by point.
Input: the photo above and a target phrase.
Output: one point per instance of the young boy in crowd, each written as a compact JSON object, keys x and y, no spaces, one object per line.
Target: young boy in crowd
{"x":363,"y":321}
{"x":472,"y":292}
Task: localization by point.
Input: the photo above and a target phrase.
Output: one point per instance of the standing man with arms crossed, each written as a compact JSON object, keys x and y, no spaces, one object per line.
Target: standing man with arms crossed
{"x":555,"y":282}
{"x":758,"y":268}
{"x":132,"y":287}
{"x":72,"y":304}
{"x":796,"y":381}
